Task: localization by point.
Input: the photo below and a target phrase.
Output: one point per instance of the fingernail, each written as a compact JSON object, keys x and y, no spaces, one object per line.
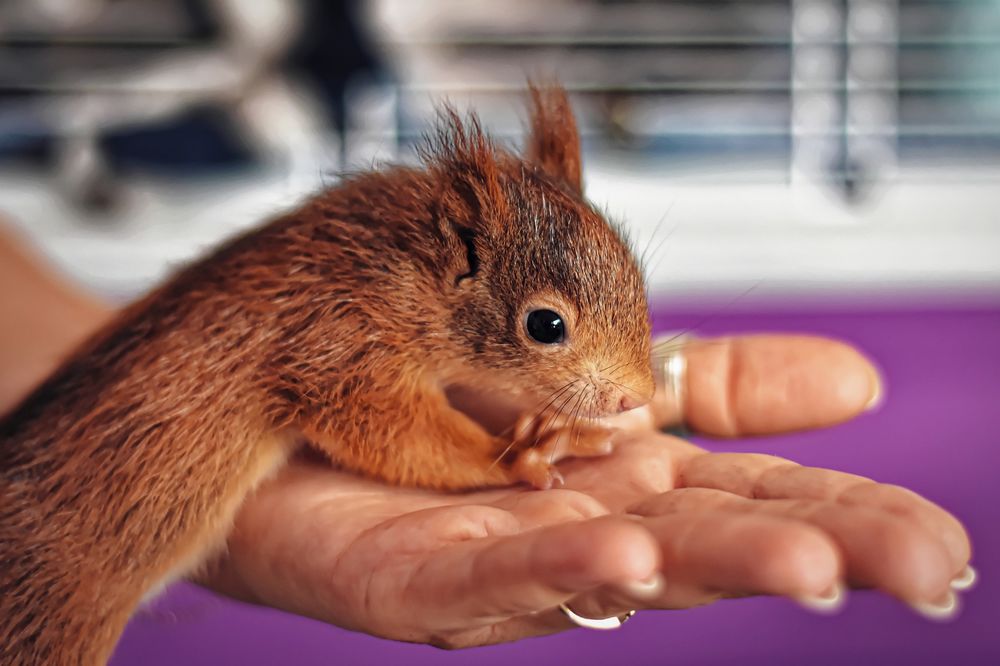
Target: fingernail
{"x":646,"y":589}
{"x":829,"y":602}
{"x":878,"y":394}
{"x":944,"y":609}
{"x":965,"y":580}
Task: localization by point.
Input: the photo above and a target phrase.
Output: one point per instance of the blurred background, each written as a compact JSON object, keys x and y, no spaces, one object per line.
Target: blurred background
{"x":827,"y":166}
{"x":792,"y":146}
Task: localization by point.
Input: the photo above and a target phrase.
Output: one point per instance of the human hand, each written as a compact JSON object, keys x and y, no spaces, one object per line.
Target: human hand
{"x":42,"y":318}
{"x":486,"y":567}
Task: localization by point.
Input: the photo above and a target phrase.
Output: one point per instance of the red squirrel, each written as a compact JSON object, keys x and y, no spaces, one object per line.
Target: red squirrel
{"x":360,"y":323}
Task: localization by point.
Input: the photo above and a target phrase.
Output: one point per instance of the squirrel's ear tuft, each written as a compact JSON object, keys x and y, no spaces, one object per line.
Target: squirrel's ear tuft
{"x":466,"y":161}
{"x":554,"y":143}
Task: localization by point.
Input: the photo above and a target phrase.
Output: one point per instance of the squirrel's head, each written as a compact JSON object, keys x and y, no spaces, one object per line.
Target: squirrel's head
{"x":548,"y":301}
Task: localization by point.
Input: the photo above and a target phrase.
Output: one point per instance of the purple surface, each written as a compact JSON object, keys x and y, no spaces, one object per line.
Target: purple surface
{"x":935,"y":434}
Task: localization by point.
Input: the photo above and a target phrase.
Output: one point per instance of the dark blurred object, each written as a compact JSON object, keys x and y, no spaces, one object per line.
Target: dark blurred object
{"x":332,"y":50}
{"x":95,"y":88}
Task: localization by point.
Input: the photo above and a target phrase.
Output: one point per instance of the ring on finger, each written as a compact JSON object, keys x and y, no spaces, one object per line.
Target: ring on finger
{"x":670,"y":367}
{"x":604,"y":623}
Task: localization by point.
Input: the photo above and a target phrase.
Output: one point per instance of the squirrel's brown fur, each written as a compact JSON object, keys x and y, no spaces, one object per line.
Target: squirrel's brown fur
{"x":342,"y":322}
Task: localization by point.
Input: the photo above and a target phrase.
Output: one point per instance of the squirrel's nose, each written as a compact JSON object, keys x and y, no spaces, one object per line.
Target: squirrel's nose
{"x":629,"y":402}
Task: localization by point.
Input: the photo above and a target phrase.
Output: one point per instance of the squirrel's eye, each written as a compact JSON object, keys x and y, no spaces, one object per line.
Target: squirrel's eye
{"x":545,"y":326}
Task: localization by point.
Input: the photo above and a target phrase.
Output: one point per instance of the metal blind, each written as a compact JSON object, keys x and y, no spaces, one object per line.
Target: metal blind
{"x":845,"y":93}
{"x":728,"y":117}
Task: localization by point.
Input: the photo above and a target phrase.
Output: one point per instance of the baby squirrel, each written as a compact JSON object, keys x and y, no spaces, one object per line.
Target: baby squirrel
{"x":361,"y":323}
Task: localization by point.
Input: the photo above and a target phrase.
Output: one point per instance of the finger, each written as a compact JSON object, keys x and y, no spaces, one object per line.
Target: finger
{"x":878,"y":549}
{"x":713,"y":552}
{"x":738,"y":554}
{"x":487,"y":581}
{"x":539,"y":508}
{"x":770,"y":477}
{"x":765,"y":384}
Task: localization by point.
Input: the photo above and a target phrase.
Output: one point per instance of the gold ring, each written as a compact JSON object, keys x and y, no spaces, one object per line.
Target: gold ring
{"x":605,"y":623}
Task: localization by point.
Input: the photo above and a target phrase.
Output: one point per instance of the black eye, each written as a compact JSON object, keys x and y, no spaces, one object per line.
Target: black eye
{"x":546,"y":326}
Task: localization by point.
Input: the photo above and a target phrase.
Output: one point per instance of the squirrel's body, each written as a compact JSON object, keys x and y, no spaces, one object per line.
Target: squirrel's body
{"x":342,"y":323}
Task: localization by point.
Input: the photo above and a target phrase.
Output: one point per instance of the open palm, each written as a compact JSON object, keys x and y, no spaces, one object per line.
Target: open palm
{"x":659,"y":523}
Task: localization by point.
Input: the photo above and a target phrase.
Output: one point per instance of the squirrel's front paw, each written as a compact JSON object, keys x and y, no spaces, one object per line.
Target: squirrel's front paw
{"x":542,"y":442}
